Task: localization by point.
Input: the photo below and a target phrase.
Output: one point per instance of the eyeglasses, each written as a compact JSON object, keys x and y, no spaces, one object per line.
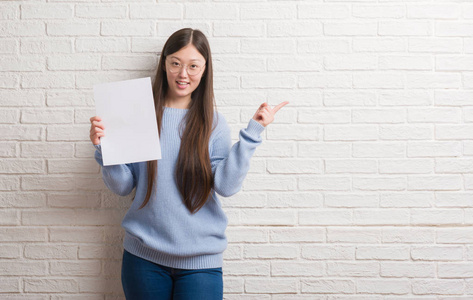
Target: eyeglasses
{"x":192,"y":69}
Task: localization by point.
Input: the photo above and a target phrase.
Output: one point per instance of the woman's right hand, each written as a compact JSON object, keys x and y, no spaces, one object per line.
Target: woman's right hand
{"x":96,"y":130}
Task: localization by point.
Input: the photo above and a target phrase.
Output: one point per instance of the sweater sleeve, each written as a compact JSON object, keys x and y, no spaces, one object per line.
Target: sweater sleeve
{"x":120,"y":179}
{"x":230,"y":164}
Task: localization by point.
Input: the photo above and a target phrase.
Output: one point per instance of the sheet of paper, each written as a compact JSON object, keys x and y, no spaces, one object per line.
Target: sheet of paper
{"x":128,"y":114}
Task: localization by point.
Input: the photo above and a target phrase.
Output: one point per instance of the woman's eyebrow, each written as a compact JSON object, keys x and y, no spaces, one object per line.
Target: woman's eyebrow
{"x":180,"y":59}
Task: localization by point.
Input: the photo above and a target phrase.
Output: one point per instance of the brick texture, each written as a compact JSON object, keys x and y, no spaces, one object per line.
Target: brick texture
{"x":361,"y":190}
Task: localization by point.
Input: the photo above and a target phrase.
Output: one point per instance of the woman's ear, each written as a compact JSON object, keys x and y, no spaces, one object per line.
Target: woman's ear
{"x":164,"y":64}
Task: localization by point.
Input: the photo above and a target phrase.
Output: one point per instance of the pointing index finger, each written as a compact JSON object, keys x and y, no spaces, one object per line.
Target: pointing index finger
{"x":278,"y":107}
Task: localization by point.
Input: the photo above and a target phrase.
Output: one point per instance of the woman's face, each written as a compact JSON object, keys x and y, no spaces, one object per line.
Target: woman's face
{"x":181,"y":84}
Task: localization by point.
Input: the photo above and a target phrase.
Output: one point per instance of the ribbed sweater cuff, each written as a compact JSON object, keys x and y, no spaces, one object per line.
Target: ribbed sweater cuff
{"x":98,"y":147}
{"x":98,"y":154}
{"x":254,"y":128}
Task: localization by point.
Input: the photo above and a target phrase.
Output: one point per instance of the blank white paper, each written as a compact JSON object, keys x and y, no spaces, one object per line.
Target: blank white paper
{"x":128,"y":114}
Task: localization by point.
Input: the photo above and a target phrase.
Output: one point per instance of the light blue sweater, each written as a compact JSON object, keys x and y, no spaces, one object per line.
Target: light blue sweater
{"x":164,"y":231}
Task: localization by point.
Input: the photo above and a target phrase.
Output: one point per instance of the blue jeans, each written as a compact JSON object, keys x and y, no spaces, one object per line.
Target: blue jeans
{"x":145,"y":280}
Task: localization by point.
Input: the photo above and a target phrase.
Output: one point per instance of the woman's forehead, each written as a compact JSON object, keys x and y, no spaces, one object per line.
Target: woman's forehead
{"x":188,"y":53}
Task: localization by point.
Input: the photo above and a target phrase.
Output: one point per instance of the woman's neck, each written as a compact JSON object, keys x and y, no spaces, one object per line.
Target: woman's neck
{"x":177,"y":103}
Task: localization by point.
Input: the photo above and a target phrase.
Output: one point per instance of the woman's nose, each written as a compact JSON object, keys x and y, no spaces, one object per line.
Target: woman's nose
{"x":183,"y":71}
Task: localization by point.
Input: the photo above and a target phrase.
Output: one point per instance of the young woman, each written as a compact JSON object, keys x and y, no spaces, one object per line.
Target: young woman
{"x":175,"y":228}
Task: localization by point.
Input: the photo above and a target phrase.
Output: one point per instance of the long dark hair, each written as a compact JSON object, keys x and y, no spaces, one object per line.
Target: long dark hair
{"x":193,"y":170}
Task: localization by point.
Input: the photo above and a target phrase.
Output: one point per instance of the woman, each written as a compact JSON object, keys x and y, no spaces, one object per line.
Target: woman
{"x":175,"y":227}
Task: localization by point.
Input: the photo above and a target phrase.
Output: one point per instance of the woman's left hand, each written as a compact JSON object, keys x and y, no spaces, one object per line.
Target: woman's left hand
{"x":265,"y":114}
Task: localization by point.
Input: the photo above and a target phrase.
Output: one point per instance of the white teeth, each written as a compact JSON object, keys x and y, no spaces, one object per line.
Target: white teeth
{"x":181,"y":82}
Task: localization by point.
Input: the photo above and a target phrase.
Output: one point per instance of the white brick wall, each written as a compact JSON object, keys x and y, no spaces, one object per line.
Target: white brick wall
{"x":361,"y":190}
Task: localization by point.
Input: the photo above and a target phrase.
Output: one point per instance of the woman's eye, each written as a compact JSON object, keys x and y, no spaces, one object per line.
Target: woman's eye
{"x":175,"y":63}
{"x":194,"y":66}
